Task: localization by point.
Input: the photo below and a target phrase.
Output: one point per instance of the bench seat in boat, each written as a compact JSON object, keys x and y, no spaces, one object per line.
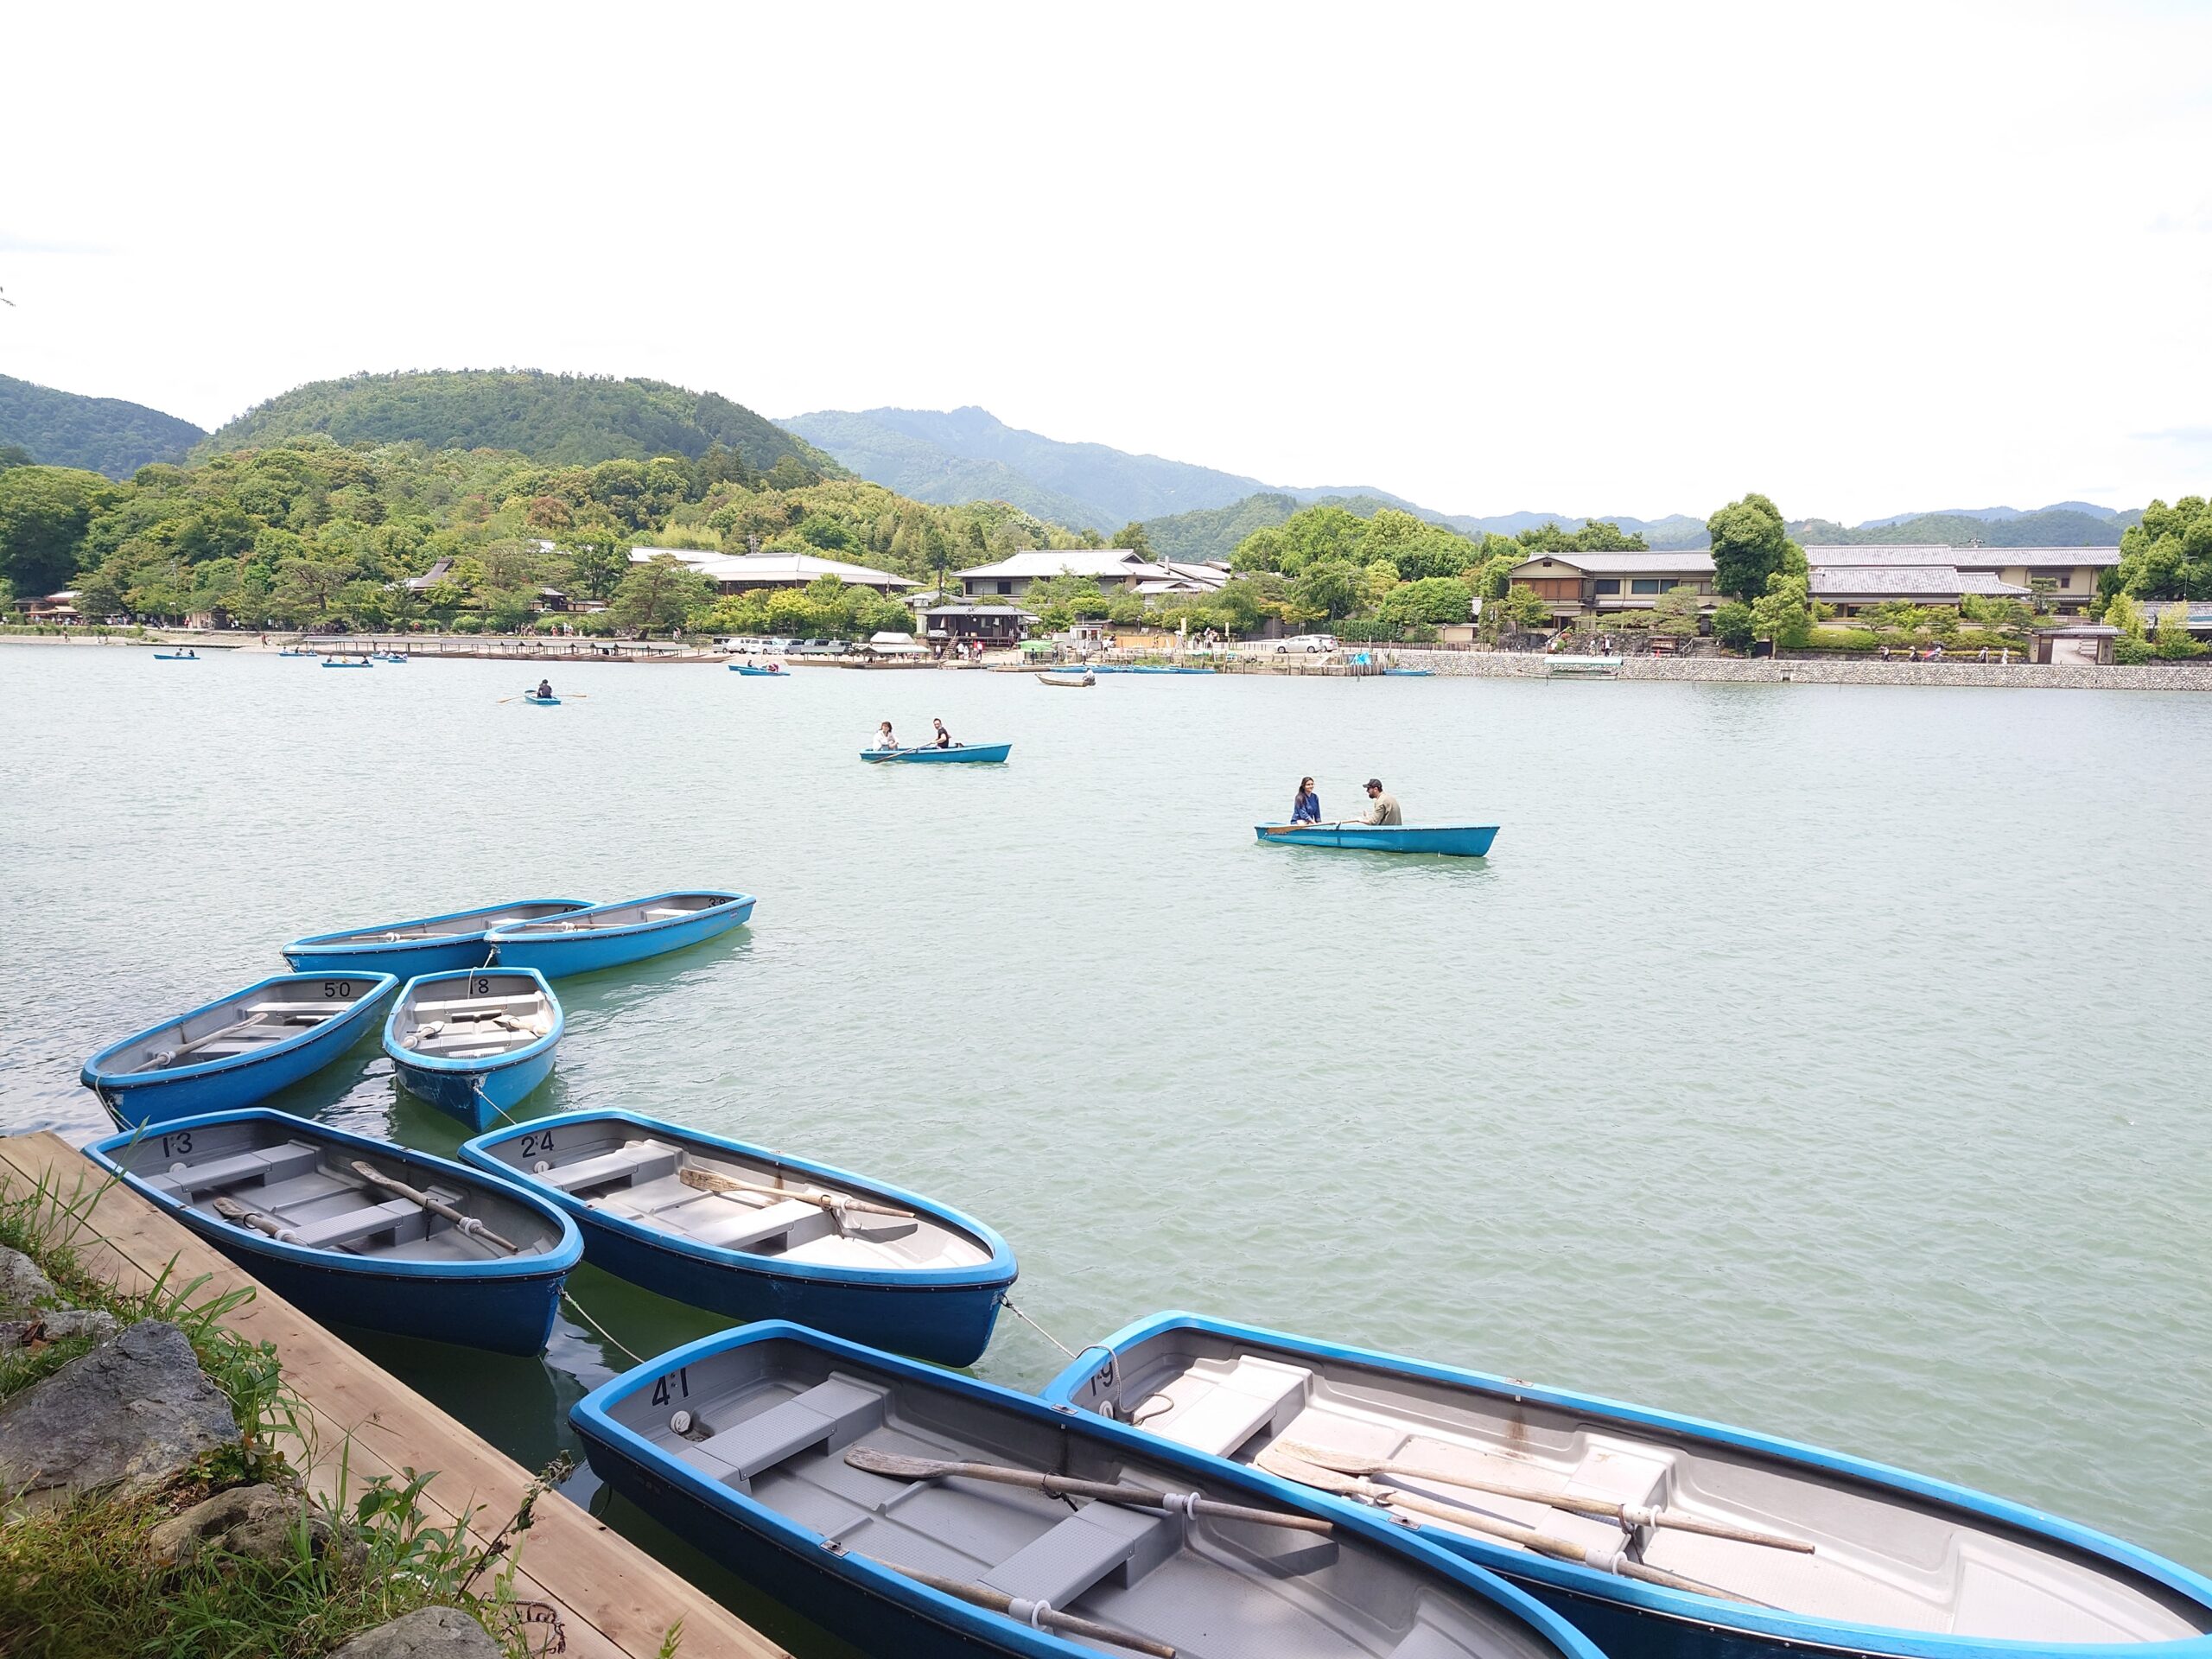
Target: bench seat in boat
{"x":1073,"y":1556}
{"x":268,"y":1167}
{"x":641,"y":1161}
{"x":333,"y":1232}
{"x":829,"y":1416}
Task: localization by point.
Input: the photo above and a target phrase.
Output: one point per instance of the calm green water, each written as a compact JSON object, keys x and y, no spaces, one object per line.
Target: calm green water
{"x":1829,"y":1060}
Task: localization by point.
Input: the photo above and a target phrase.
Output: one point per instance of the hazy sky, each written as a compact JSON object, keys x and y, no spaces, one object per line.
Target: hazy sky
{"x":1578,"y":259}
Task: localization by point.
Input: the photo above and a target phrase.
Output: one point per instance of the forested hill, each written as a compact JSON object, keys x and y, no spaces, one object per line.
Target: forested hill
{"x":100,"y":435}
{"x":1214,"y":532}
{"x":2052,"y":527}
{"x":559,"y":420}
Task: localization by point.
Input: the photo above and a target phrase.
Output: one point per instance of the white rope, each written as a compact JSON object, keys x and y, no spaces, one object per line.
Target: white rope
{"x":1007,"y":1303}
{"x":636,"y":1359}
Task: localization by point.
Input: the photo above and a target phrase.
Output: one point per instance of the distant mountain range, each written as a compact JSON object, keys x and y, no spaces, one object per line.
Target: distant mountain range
{"x":100,"y":435}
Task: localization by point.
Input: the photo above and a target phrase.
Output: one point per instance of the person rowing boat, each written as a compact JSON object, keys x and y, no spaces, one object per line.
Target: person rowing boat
{"x":1383,"y":806}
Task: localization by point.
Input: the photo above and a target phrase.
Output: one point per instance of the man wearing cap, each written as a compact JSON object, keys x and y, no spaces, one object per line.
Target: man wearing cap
{"x":1382,"y":806}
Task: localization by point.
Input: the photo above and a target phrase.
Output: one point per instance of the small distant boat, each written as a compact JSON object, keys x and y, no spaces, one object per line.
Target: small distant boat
{"x":916,"y":1512}
{"x":176,"y":656}
{"x":542,"y":703}
{"x":757,"y":1234}
{"x":357,"y":1230}
{"x":236,"y":1050}
{"x":1452,"y":840}
{"x":763,"y":670}
{"x":474,"y":1043}
{"x":1049,"y":677}
{"x":1661,"y":1535}
{"x":1408,"y":673}
{"x":607,"y":936}
{"x":428,"y":945}
{"x":970,"y":754}
{"x":333,"y":661}
{"x":391,"y":656}
{"x":293,"y":651}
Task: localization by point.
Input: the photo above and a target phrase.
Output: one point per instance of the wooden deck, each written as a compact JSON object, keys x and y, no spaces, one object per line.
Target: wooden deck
{"x":614,"y":1600}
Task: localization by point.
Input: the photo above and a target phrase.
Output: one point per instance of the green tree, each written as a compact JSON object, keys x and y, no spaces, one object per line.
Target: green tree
{"x":44,"y":514}
{"x":2172,"y":638}
{"x":1784,"y":612}
{"x":2168,"y":555}
{"x":1750,"y":544}
{"x":1734,"y":625}
{"x":1132,"y":536}
{"x":1676,"y":611}
{"x":658,"y":594}
{"x":595,"y":568}
{"x":1327,"y":590}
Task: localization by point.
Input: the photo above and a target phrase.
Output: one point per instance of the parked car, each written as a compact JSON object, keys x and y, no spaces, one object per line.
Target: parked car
{"x":1306,"y":642}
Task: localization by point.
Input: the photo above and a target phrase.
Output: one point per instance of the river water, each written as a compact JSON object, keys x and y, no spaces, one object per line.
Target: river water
{"x":1829,"y":1060}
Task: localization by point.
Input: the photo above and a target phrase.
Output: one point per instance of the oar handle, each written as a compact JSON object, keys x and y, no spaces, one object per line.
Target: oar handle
{"x":468,"y":1224}
{"x":1045,"y":1614}
{"x":1681,"y":1523}
{"x":1527,"y":1537}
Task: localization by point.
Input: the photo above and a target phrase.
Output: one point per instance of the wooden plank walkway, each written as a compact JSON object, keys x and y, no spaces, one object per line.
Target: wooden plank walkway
{"x":614,"y":1601}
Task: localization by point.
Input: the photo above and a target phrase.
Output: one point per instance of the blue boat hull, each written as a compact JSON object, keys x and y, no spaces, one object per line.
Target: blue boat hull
{"x":973,"y":754}
{"x":758,"y":673}
{"x":162,"y":1101}
{"x":558,"y":957}
{"x":544,"y":703}
{"x":1452,"y":840}
{"x":479,"y":1099}
{"x":404,"y":960}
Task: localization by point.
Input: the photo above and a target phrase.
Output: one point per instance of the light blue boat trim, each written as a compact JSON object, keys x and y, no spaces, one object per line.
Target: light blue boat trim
{"x":482,"y":1073}
{"x":972,"y":753}
{"x":93,"y":1076}
{"x":346,"y":943}
{"x":542,"y":703}
{"x":591,"y":1417}
{"x":1780,"y":1627}
{"x":364,"y":663}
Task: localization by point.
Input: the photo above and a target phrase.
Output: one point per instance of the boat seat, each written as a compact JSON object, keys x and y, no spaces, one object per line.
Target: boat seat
{"x":271,"y":1165}
{"x":1071,"y":1558}
{"x":307,"y":1011}
{"x":668,"y":915}
{"x":497,"y":1041}
{"x":1235,"y":1407}
{"x":244,"y":1042}
{"x":742,"y":1230}
{"x":346,"y":1227}
{"x":487,"y":1004}
{"x":829,"y":1417}
{"x":640,"y":1160}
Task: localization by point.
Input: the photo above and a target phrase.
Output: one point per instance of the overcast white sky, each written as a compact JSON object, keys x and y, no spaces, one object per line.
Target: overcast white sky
{"x":1634,"y":259}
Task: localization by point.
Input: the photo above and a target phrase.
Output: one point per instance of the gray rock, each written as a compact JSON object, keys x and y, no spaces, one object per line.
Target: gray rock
{"x":53,"y":1324}
{"x":261,"y":1523}
{"x":427,"y":1633}
{"x":134,"y":1414}
{"x":22,"y":1286}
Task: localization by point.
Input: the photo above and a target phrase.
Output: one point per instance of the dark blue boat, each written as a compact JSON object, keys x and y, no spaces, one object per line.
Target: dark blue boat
{"x":820,"y":1467}
{"x":607,"y":936}
{"x":1694,"y":1541}
{"x":476,"y":1043}
{"x":426,"y":945}
{"x":481,"y":1265}
{"x":779,"y":1237}
{"x":236,"y":1050}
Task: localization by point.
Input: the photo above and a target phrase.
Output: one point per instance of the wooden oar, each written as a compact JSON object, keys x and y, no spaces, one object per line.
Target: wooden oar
{"x":905,"y":1468}
{"x":236,"y":1213}
{"x":468,"y":1224}
{"x":1048,"y":1616}
{"x":1328,"y":1480}
{"x":706,"y":1181}
{"x":1629,"y":1515}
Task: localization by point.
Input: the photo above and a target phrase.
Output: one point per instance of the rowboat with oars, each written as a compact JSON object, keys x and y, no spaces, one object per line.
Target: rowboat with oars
{"x":474,"y":1043}
{"x":1656,"y":1534}
{"x":236,"y":1050}
{"x":426,"y":945}
{"x":760,"y":670}
{"x":607,"y":936}
{"x":288,"y":651}
{"x":917,"y":1512}
{"x":1452,"y":840}
{"x":176,"y":656}
{"x":1408,"y":673}
{"x":970,"y":754}
{"x":360,"y":1231}
{"x":759,"y":1235}
{"x":333,"y":661}
{"x":542,"y":703}
{"x":1049,"y":677}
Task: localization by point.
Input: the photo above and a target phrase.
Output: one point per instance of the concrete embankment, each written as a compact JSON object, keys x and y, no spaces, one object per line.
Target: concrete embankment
{"x":1513,"y":664}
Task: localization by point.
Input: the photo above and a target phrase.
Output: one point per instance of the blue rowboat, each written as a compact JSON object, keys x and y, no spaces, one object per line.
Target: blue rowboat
{"x":972,"y":754}
{"x":428,"y":945}
{"x":1900,"y":1567}
{"x":331,"y":662}
{"x":391,"y":656}
{"x":853,"y":1256}
{"x":606,"y":936}
{"x":176,"y":656}
{"x":1408,"y":673}
{"x":289,"y":651}
{"x":474,"y":1043}
{"x":236,"y":1050}
{"x":766,"y":673}
{"x":542,"y":703}
{"x":284,"y":1198}
{"x":814,"y":1465}
{"x":1453,"y":840}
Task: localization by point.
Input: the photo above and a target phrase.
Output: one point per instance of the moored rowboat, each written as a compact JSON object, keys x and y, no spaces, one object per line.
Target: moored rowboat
{"x":606,"y":936}
{"x":428,"y":945}
{"x":1453,"y":840}
{"x":474,"y":1043}
{"x":1772,"y":1548}
{"x":974,"y":754}
{"x":236,"y":1050}
{"x":756,"y":1235}
{"x":357,"y":1230}
{"x":1048,"y":677}
{"x":849,"y":1480}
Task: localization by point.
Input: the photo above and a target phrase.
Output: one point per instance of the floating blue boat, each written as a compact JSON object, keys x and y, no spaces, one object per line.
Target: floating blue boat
{"x":758,"y":1235}
{"x":542,"y":703}
{"x":357,"y":1230}
{"x":333,"y":661}
{"x":236,"y":1050}
{"x":848,"y":1480}
{"x":428,"y":945}
{"x":1408,"y":673}
{"x":289,"y":651}
{"x":607,"y":936}
{"x":176,"y":656}
{"x":1452,"y":840}
{"x":1661,"y":1535}
{"x":767,"y":672}
{"x":474,"y":1043}
{"x":391,"y":656}
{"x":972,"y":754}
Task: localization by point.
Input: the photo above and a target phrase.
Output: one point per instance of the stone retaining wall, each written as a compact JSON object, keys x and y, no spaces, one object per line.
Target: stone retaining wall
{"x":1509,"y":665}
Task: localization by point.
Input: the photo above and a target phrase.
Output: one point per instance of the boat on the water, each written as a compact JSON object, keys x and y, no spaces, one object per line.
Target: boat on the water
{"x":331,"y":662}
{"x":1656,"y":1534}
{"x":1408,"y":673}
{"x":474,"y":1043}
{"x":236,"y":1050}
{"x":972,"y":753}
{"x":288,"y":651}
{"x":391,"y":656}
{"x":1452,"y":840}
{"x":760,"y":670}
{"x":176,"y":656}
{"x":1049,"y":677}
{"x":759,"y":1235}
{"x":919,"y":1513}
{"x":428,"y":945}
{"x":606,"y":936}
{"x":357,"y":1230}
{"x":542,"y":703}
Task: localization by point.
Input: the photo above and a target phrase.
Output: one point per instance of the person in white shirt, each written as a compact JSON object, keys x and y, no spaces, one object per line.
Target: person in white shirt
{"x":883,"y":738}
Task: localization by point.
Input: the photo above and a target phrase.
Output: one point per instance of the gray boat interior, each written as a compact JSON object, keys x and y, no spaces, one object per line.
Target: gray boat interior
{"x":773,"y":1420}
{"x":309,"y":1187}
{"x":666,"y":908}
{"x":481,"y":1017}
{"x":446,"y":927}
{"x":625,"y":1170}
{"x":243,"y":1024}
{"x":1881,"y":1556}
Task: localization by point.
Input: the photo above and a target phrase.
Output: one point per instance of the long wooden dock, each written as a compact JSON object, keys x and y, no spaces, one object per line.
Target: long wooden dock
{"x":613,"y":1601}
